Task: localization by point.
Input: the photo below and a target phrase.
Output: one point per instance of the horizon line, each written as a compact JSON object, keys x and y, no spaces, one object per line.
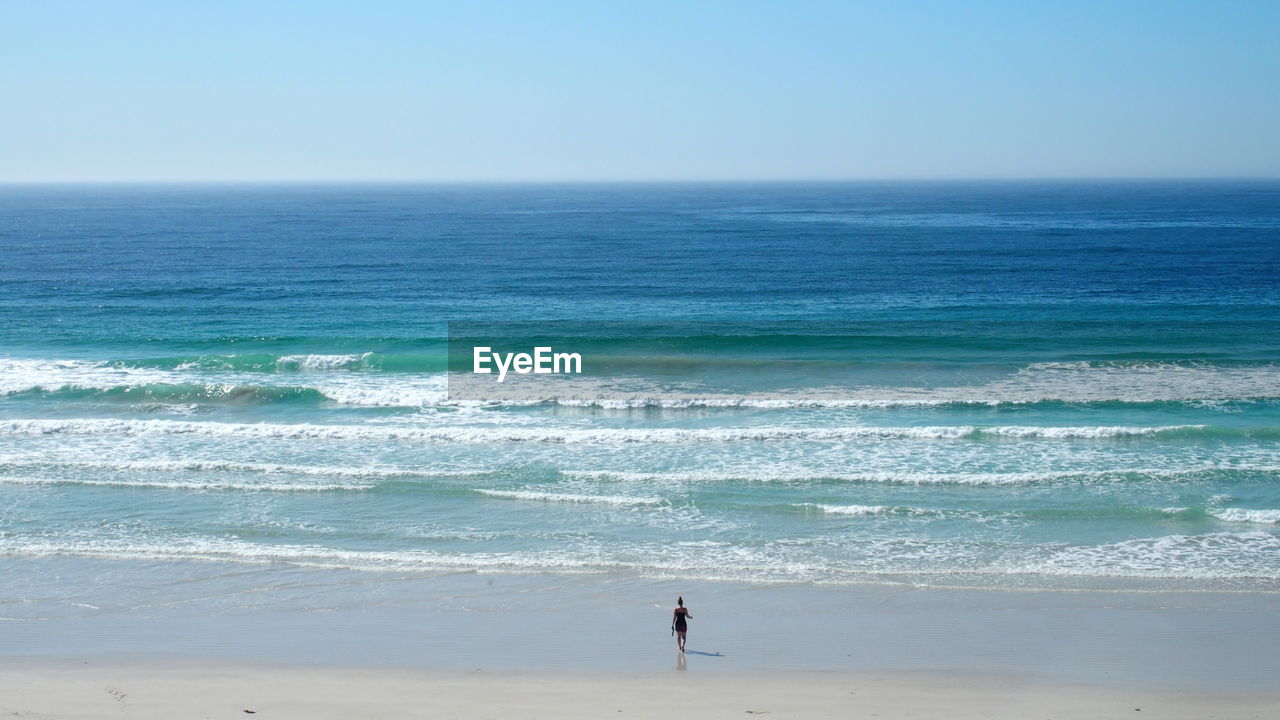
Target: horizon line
{"x":669,"y":181}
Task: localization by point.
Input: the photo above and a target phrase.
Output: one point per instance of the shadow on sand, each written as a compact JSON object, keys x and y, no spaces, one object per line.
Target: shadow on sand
{"x":704,"y":654}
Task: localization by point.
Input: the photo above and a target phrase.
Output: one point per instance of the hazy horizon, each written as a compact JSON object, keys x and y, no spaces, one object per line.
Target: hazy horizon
{"x":643,"y":181}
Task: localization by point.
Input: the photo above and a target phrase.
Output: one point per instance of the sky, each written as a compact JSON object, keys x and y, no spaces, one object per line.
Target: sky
{"x":637,"y":91}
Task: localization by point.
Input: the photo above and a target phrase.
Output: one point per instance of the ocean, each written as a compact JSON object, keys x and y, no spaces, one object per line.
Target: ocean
{"x":974,"y":384}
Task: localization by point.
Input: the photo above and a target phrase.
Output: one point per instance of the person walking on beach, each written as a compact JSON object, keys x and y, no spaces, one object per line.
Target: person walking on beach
{"x":678,"y":621}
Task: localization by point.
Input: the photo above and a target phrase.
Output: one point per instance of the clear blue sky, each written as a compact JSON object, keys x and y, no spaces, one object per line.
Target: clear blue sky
{"x":225,"y":90}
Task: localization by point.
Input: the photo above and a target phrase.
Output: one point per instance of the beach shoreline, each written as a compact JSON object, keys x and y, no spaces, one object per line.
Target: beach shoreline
{"x":1217,"y":643}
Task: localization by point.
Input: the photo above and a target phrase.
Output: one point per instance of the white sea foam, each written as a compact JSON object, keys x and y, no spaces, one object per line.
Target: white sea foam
{"x":899,"y":511}
{"x":321,"y":362}
{"x":619,"y":500}
{"x":1071,"y":382}
{"x":1103,"y":431}
{"x":169,"y":466}
{"x":381,"y":391}
{"x":372,"y":389}
{"x":1216,"y":555}
{"x":241,"y":551}
{"x":1245,"y":515}
{"x":792,"y":473}
{"x":1230,"y":556}
{"x":191,"y":485}
{"x":848,"y":509}
{"x":25,"y":375}
{"x":754,"y":473}
{"x":559,"y":435}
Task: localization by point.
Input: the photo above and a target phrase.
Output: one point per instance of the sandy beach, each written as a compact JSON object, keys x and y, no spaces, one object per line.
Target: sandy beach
{"x":192,"y":690}
{"x":544,"y":646}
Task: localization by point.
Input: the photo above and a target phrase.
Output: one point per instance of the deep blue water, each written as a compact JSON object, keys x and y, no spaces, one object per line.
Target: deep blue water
{"x":1008,"y":383}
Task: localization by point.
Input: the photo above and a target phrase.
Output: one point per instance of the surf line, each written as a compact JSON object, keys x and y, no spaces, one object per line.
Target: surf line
{"x":543,"y":361}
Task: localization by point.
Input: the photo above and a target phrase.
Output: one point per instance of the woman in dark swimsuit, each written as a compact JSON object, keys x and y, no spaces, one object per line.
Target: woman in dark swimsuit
{"x":678,"y":618}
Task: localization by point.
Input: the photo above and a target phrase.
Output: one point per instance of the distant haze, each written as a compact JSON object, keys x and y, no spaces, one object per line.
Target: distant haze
{"x":533,"y":91}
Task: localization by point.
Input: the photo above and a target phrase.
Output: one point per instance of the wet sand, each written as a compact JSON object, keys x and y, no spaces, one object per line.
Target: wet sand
{"x":280,"y":643}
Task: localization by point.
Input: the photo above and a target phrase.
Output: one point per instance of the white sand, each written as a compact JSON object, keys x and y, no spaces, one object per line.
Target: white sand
{"x":187,"y":689}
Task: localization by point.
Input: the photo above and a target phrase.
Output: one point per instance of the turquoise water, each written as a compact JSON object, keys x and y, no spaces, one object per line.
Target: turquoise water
{"x":1020,"y":384}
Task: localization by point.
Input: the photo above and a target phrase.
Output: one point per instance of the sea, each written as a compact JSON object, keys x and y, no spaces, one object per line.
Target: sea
{"x":961,"y":384}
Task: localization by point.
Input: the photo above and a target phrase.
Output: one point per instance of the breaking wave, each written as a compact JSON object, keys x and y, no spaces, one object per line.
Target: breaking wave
{"x":616,"y":500}
{"x":608,"y":435}
{"x":370,"y":379}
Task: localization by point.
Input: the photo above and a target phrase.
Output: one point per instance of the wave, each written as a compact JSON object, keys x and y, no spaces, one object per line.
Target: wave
{"x":230,"y":393}
{"x":607,"y":435}
{"x":249,"y":363}
{"x":756,"y":473}
{"x":245,"y":552}
{"x":785,"y":474}
{"x":417,"y":392}
{"x":81,"y":380}
{"x":368,"y":361}
{"x":852,"y":509}
{"x":1095,"y":432}
{"x":1214,"y":556}
{"x":431,"y":392}
{"x":783,"y":341}
{"x":367,"y":379}
{"x":1055,"y":383}
{"x":804,"y":400}
{"x":168,"y":466}
{"x":1048,"y":514}
{"x":1243,"y":515}
{"x":192,"y":485}
{"x":323,"y":362}
{"x":616,"y":500}
{"x":285,"y":478}
{"x":426,"y":394}
{"x":985,"y":515}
